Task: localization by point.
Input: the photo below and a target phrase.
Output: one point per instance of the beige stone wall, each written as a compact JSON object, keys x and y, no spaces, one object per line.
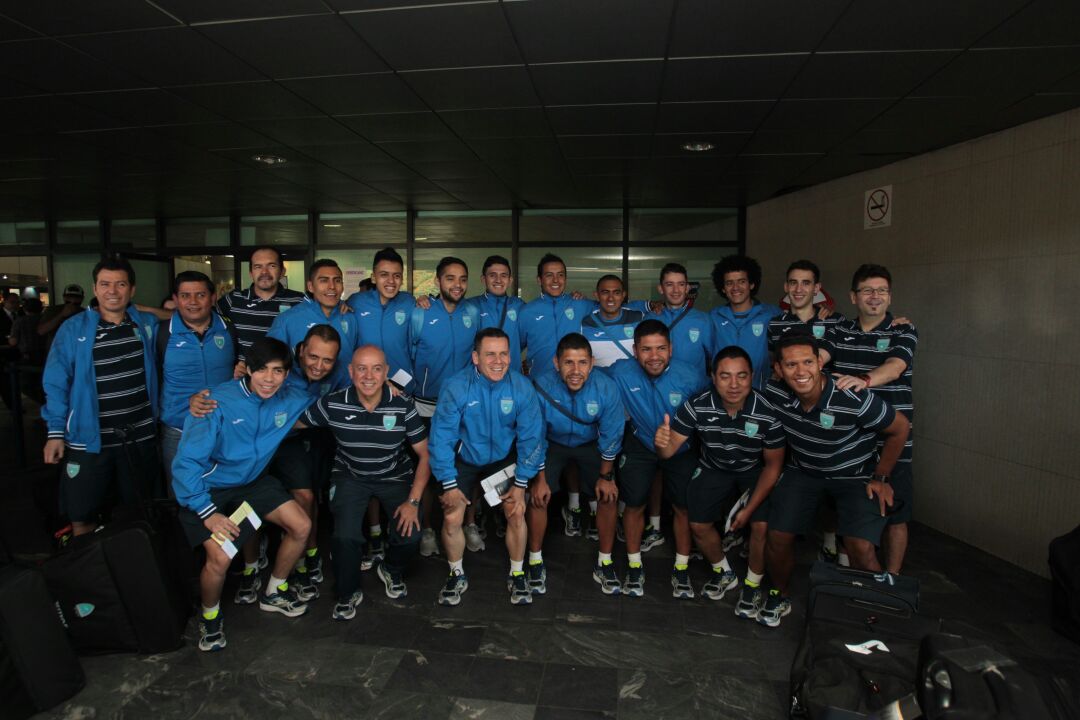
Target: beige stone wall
{"x":984,"y":249}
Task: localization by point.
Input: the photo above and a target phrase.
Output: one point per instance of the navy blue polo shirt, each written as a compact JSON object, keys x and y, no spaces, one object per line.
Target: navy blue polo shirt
{"x":823,"y":330}
{"x":731,"y":444}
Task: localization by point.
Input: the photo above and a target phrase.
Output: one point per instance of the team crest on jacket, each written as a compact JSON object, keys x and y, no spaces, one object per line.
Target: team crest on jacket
{"x":219,"y":341}
{"x":569,"y":313}
{"x":758,"y":328}
{"x":399,"y":317}
{"x":389,"y":421}
{"x":345,"y":326}
{"x":628,"y":331}
{"x":506,"y":405}
{"x":511,"y":315}
{"x":694,"y":334}
{"x":592,"y":408}
{"x":827,"y":420}
{"x":72,"y":469}
{"x":467,"y":320}
{"x":883,"y":344}
{"x":819,"y":331}
{"x":280,"y":418}
{"x":751,"y":428}
{"x":674,"y":398}
{"x":697,"y":471}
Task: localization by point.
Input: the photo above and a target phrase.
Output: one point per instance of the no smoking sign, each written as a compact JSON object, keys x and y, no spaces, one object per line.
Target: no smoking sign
{"x":877,"y":207}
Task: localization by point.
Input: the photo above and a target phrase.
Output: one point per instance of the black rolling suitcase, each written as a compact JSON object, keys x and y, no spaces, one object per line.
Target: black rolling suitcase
{"x":860,"y":649}
{"x":38,"y":668}
{"x":1065,"y":573}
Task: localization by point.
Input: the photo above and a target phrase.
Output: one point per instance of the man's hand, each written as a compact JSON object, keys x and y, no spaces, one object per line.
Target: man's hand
{"x":849,"y":382}
{"x":655,"y":306}
{"x":240,"y":370}
{"x":221,"y":527}
{"x":901,"y":321}
{"x":344,"y":308}
{"x":663,"y":434}
{"x":741,"y":519}
{"x":407,"y":520}
{"x":395,"y":391}
{"x":576,"y":295}
{"x":452,"y":499}
{"x":423,"y":302}
{"x":513,"y":502}
{"x":540,"y":493}
{"x":884,"y":494}
{"x":824,"y":311}
{"x":606,"y":490}
{"x":200,"y":404}
{"x":54,"y":451}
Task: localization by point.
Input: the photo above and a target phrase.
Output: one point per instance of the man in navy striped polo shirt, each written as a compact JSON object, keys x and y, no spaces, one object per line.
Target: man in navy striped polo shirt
{"x":877,"y":351}
{"x":802,"y":284}
{"x":833,"y":439}
{"x":741,"y":448}
{"x":372,"y":426}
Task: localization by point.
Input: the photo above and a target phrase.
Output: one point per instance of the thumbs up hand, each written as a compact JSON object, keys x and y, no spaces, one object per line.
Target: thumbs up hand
{"x":663,"y":434}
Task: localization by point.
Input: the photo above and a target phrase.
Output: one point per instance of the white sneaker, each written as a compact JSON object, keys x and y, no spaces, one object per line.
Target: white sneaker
{"x":428,"y":544}
{"x":473,"y":541}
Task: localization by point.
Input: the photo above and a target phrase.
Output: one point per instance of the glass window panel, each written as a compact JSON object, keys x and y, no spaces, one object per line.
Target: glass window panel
{"x":197,"y":232}
{"x":660,"y":225}
{"x":491,"y":227}
{"x":23,"y":233}
{"x":558,"y":227}
{"x":133,"y":234}
{"x":584,"y":267}
{"x":349,"y":229}
{"x":78,"y":232}
{"x":219,"y":268}
{"x":74,"y":268}
{"x":646,"y":262}
{"x":26,"y":272}
{"x":274,"y":230}
{"x":153,"y":281}
{"x":427,"y":259}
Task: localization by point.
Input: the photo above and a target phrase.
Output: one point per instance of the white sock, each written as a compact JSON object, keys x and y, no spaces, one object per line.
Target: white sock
{"x":517,"y":566}
{"x":456,"y":567}
{"x":602,"y":558}
{"x":828,"y":541}
{"x":722,"y":566}
{"x":843,"y":560}
{"x":272,"y":584}
{"x":753,"y":577}
{"x":535,"y":558}
{"x":592,"y":506}
{"x":654,"y":521}
{"x":375,"y":530}
{"x":681,"y":560}
{"x":634,"y":558}
{"x":574,"y":500}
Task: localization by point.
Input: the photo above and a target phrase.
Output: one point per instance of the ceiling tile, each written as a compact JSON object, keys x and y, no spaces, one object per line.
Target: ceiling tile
{"x":398,"y":126}
{"x":712,"y":116}
{"x":145,"y":107}
{"x":509,"y":122}
{"x":342,"y":156}
{"x":609,"y":146}
{"x":248,"y":101}
{"x":306,"y":131}
{"x":60,"y":17}
{"x":739,"y":78}
{"x":595,"y":83}
{"x":1006,"y":75}
{"x":834,"y":115}
{"x":356,"y":94}
{"x":600,"y":119}
{"x":47,"y":65}
{"x":708,"y":27}
{"x":1033,"y":108}
{"x":473,"y":88}
{"x":201,"y":11}
{"x":1039,"y":23}
{"x":866,"y":75}
{"x":671,"y":145}
{"x":917,"y":24}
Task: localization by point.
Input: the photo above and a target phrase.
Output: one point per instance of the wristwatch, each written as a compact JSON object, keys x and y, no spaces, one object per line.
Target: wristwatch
{"x":880,"y":478}
{"x":607,"y":476}
{"x":415,"y":502}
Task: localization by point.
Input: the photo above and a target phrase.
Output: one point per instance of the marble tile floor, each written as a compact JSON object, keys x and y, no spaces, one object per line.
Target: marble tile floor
{"x":573,"y":653}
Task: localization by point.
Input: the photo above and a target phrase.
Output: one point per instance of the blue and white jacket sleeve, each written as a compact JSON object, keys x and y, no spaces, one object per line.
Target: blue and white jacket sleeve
{"x":531,"y":440}
{"x":612,"y":423}
{"x":57,"y":380}
{"x":445,"y":433}
{"x":279,"y":330}
{"x":192,"y":464}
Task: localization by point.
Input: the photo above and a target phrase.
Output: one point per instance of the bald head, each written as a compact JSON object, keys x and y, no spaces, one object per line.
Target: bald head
{"x":368,"y":372}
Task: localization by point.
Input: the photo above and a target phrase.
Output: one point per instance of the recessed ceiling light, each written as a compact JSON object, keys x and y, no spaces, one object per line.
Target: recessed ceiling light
{"x":699,"y":146}
{"x":331,"y":225}
{"x":269,"y":159}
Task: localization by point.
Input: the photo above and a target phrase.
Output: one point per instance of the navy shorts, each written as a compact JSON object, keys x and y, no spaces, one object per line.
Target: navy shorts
{"x":265,"y":495}
{"x":638,"y":465}
{"x":796,"y":497}
{"x":587,"y":459}
{"x":93,"y":483}
{"x":711,"y":493}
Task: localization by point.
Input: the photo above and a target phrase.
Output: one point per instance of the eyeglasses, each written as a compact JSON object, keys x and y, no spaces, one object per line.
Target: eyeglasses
{"x":871,"y":292}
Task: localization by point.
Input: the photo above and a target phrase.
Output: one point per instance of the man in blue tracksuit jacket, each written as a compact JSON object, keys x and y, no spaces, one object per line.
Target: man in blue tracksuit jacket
{"x":196,"y":349}
{"x":545,"y":320}
{"x":583,"y":421}
{"x":323,"y":307}
{"x":382,"y":315}
{"x":101,"y":390}
{"x":497,"y":308}
{"x":441,"y":336}
{"x":653,"y":386}
{"x":487,"y":416}
{"x":691,"y":329}
{"x":743,"y":321}
{"x":221,"y":463}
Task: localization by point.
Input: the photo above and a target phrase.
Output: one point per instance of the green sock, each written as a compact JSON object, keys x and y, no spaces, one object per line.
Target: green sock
{"x":751,"y":584}
{"x":312,"y":552}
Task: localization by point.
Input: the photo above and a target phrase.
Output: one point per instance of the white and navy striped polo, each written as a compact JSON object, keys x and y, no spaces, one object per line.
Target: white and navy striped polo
{"x":859,"y":351}
{"x":252,"y":316}
{"x":371,"y":444}
{"x":838,"y":437}
{"x":123,"y":400}
{"x":731,"y":444}
{"x":823,"y":330}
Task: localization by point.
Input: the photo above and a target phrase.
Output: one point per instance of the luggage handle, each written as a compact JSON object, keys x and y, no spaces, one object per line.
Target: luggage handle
{"x":125,"y":433}
{"x":902,"y":603}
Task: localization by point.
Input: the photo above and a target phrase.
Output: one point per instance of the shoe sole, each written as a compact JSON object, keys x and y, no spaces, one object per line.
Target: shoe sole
{"x":213,"y":647}
{"x":719,"y":595}
{"x":342,"y":618}
{"x":521,"y":599}
{"x":254,"y":598}
{"x":476,"y":547}
{"x":538,"y":589}
{"x":607,"y":590}
{"x":632,"y":593}
{"x":455,"y":600}
{"x":287,"y":613}
{"x":773,"y":623}
{"x":747,"y":614}
{"x":385,"y":577}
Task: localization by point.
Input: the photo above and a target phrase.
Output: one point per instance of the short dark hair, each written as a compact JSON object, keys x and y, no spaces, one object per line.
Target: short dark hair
{"x":268,"y":248}
{"x":610,"y":276}
{"x":366,"y":285}
{"x":32,"y":306}
{"x":867,"y":271}
{"x":447,"y":262}
{"x":387,"y":254}
{"x":673,"y":268}
{"x":491,"y":332}
{"x":573,"y":341}
{"x":116,"y":264}
{"x":192,"y":276}
{"x":732,"y":352}
{"x":11,"y":294}
{"x":737,"y":263}
{"x":794,"y":339}
{"x":266,"y":350}
{"x":651,"y":327}
{"x":319,"y":265}
{"x":326,"y":333}
{"x":548,"y":258}
{"x":496,"y":260}
{"x":804,"y":265}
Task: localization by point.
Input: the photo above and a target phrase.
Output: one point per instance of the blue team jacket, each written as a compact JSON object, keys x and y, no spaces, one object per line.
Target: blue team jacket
{"x":547,"y":320}
{"x":597,"y":402}
{"x":750,"y":331}
{"x":440,"y":344}
{"x":70,"y":383}
{"x":486,"y":419}
{"x":505,"y":309}
{"x":691,"y":339}
{"x":647,"y":400}
{"x":292,"y":325}
{"x":386,"y":326}
{"x":232,"y":445}
{"x":315,"y":390}
{"x":192,"y":365}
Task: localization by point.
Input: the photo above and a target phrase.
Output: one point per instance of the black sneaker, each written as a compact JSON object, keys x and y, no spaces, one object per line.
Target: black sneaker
{"x":634,"y":584}
{"x":211,"y":635}
{"x":776,"y":607}
{"x":313,"y":563}
{"x":608,"y":579}
{"x":680,"y":584}
{"x":306,"y":589}
{"x":346,"y":609}
{"x":592,"y":532}
{"x":374,"y":552}
{"x":719,"y":584}
{"x":651,"y":538}
{"x":395,"y":585}
{"x":455,"y":587}
{"x":572,"y":519}
{"x":284,"y":601}
{"x":750,"y":602}
{"x":518,"y":585}
{"x":537,"y":577}
{"x":248,"y":592}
